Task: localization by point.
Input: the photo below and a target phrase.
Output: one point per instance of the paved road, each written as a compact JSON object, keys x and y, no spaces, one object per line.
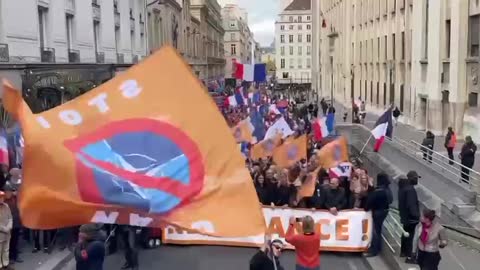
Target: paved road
{"x":209,"y":257}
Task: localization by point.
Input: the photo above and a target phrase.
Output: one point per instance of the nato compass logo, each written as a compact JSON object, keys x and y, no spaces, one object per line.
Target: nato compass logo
{"x":142,"y":164}
{"x":292,"y":152}
{"x":268,"y":145}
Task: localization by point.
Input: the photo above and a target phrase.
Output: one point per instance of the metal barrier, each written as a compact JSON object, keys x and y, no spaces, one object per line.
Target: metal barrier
{"x":413,"y":148}
{"x":393,"y":231}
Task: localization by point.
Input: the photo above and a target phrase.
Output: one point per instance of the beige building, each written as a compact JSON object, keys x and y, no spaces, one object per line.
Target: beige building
{"x":422,"y":55}
{"x":238,"y":39}
{"x":293,"y":43}
{"x":193,"y":27}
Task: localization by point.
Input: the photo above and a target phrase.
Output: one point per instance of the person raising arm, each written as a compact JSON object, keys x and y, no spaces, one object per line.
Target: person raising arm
{"x":307,"y":244}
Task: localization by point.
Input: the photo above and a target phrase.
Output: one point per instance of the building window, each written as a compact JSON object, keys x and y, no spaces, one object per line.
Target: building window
{"x":309,"y":38}
{"x":299,"y":27}
{"x":309,"y":49}
{"x":308,"y":18}
{"x":290,"y":27}
{"x":282,"y":27}
{"x":69,"y":26}
{"x":393,"y":46}
{"x":299,"y":60}
{"x":290,"y":19}
{"x":282,"y":51}
{"x":299,"y":50}
{"x":233,"y":49}
{"x":292,"y":63}
{"x":232,"y":36}
{"x":403,"y":45}
{"x":290,"y":38}
{"x":309,"y":62}
{"x":309,"y":27}
{"x":473,"y":100}
{"x":291,"y":50}
{"x":299,"y":18}
{"x":282,"y":39}
{"x":42,"y":26}
{"x":117,"y":39}
{"x":473,"y":35}
{"x":285,"y":75}
{"x":425,"y":32}
{"x":282,"y":63}
{"x":232,"y":23}
{"x":448,"y":28}
{"x":299,"y":37}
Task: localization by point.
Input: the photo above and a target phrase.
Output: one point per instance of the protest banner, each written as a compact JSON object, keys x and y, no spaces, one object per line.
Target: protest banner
{"x":349,"y":231}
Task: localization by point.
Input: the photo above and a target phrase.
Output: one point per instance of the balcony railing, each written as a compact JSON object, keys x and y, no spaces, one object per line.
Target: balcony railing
{"x":100,"y":57}
{"x":4,"y":53}
{"x":47,"y":55}
{"x":70,"y":6}
{"x":96,"y":10}
{"x":73,"y":56}
{"x":135,"y":59}
{"x":120,"y":58}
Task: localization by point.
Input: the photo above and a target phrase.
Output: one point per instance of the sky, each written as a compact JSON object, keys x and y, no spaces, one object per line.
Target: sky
{"x":261,"y":17}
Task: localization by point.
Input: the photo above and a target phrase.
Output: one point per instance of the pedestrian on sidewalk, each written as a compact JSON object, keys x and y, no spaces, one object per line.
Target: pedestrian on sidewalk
{"x":396,"y":113}
{"x":430,"y":237}
{"x":428,"y":144}
{"x":90,"y":250}
{"x":5,"y":230}
{"x":467,"y":157}
{"x":409,"y":208}
{"x":450,"y":143}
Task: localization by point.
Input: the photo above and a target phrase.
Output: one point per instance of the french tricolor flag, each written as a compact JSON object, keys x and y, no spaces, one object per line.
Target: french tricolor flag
{"x":3,"y":148}
{"x":251,"y":73}
{"x":383,"y":127}
{"x":323,"y":127}
{"x":237,"y":99}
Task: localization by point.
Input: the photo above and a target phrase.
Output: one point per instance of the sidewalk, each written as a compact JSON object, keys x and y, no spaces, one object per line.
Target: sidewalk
{"x":404,"y":131}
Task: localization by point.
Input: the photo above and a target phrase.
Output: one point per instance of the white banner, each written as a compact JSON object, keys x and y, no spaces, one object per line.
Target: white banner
{"x":349,"y":231}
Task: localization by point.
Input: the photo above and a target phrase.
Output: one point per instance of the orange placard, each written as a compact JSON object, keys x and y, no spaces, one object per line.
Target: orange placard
{"x":147,"y":147}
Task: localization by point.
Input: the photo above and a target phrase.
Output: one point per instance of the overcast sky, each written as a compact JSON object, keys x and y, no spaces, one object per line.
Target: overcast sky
{"x":261,"y":17}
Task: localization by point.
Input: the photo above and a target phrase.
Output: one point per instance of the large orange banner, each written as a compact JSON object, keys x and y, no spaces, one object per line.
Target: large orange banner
{"x":349,"y":231}
{"x":147,"y":147}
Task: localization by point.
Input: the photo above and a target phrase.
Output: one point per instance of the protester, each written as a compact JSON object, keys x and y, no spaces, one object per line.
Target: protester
{"x":11,"y":200}
{"x":267,"y":258}
{"x":261,"y":188}
{"x":131,"y":251}
{"x":450,"y":143}
{"x":408,"y":206}
{"x":430,"y":237}
{"x":428,"y":144}
{"x":467,"y":157}
{"x":334,"y":197}
{"x":5,"y":231}
{"x":378,"y":201}
{"x":307,"y":244}
{"x":90,"y":250}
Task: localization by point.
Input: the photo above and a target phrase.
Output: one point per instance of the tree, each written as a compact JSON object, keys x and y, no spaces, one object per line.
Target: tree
{"x":271,"y":65}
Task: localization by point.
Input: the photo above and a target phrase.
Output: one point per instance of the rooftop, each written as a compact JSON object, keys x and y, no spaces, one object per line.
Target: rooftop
{"x":300,"y":5}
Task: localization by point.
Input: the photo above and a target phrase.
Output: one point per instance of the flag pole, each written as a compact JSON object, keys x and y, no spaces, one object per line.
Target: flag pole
{"x":365,"y":145}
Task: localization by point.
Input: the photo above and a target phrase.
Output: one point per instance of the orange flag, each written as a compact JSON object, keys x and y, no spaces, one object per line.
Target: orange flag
{"x":265,"y":148}
{"x":242,"y":132}
{"x":333,"y":153}
{"x":308,"y":187}
{"x":291,"y":151}
{"x":132,"y":151}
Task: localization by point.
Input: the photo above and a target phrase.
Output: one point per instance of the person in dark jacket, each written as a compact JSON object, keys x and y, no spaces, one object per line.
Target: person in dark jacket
{"x":267,"y":258}
{"x":408,"y":206}
{"x":378,"y":201}
{"x":90,"y":251}
{"x":285,"y":192}
{"x":450,"y":142}
{"x":396,"y":113}
{"x":261,"y":188}
{"x":272,"y":187}
{"x":335,"y":197}
{"x":11,"y":200}
{"x":467,"y":157}
{"x":428,"y":144}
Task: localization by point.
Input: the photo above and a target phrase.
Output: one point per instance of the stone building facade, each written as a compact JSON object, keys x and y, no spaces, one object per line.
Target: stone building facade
{"x":421,"y":55}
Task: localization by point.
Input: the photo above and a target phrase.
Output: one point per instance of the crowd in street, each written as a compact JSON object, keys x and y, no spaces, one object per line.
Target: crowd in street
{"x":275,"y":186}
